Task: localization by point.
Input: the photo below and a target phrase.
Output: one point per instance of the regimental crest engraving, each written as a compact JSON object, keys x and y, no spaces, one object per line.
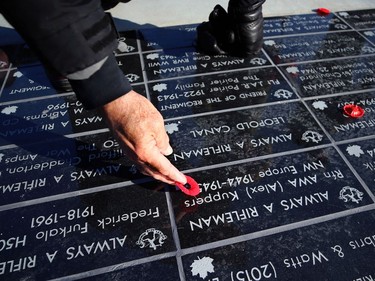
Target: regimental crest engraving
{"x":132,"y":77}
{"x":312,"y":136}
{"x":283,"y":94}
{"x":351,"y":194}
{"x":151,"y":238}
{"x":202,"y":266}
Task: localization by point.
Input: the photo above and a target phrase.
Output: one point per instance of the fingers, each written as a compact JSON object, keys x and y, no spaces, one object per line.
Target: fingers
{"x":160,"y":168}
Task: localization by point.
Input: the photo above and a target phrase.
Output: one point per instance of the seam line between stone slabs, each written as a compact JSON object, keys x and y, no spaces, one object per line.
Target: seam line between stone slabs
{"x":340,"y":94}
{"x":67,"y":195}
{"x":142,"y":62}
{"x":114,"y":268}
{"x":2,"y":86}
{"x":258,"y":158}
{"x":229,"y":110}
{"x":351,"y":29}
{"x":210,"y":72}
{"x":326,"y":59}
{"x":277,"y":230}
{"x":346,"y":22}
{"x":176,"y":237}
{"x":221,"y":243}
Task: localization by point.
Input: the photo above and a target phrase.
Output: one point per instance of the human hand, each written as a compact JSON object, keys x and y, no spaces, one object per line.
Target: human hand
{"x":139,"y":128}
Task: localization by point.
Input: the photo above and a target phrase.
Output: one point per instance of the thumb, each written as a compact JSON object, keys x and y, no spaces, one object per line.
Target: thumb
{"x":167,"y":151}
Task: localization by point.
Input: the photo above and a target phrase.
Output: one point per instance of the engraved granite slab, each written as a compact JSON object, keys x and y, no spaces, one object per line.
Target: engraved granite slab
{"x":47,"y":119}
{"x":359,"y":19}
{"x":331,"y":77}
{"x":242,"y":134}
{"x":163,"y":38}
{"x":340,"y":249}
{"x":307,"y":23}
{"x":61,"y":166}
{"x":127,"y":42}
{"x":82,"y":233}
{"x":317,"y":47}
{"x":165,"y":269}
{"x":180,"y":62}
{"x":255,"y":196}
{"x":340,"y":126}
{"x":186,"y":96}
{"x":131,"y":67}
{"x":361,"y":155}
{"x":26,"y":82}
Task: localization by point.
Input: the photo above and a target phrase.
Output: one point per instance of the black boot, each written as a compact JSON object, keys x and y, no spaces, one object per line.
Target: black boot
{"x":247,"y":24}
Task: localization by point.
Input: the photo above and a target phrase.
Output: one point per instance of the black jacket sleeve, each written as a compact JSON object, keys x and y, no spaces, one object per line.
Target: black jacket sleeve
{"x":70,"y":36}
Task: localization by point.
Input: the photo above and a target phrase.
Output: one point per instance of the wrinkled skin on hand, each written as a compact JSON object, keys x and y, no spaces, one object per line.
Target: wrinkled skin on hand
{"x":139,"y":128}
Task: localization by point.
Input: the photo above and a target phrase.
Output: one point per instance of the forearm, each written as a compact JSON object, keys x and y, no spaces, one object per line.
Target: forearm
{"x":73,"y":38}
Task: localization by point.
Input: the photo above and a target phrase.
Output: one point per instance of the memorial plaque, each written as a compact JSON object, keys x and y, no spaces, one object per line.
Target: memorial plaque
{"x":165,"y":270}
{"x":131,"y":67}
{"x":317,"y":47}
{"x":340,"y":126}
{"x":127,"y":42}
{"x":237,"y":135}
{"x":61,"y":166}
{"x":341,"y":249}
{"x":332,"y":77}
{"x":361,"y":155}
{"x":308,"y":23}
{"x":359,"y":19}
{"x":179,"y":62}
{"x":47,"y":119}
{"x":74,"y":235}
{"x":26,"y":82}
{"x":254,"y":196}
{"x":164,"y":38}
{"x":197,"y":94}
{"x":370,"y":35}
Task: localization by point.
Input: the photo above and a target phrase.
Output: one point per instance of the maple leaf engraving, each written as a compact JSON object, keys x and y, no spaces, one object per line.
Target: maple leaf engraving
{"x":202,"y":267}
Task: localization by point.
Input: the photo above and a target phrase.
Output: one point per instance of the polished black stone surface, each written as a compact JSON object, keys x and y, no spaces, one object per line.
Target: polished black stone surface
{"x":254,"y":196}
{"x":127,"y":43}
{"x":165,"y":269}
{"x":84,"y":233}
{"x":25,"y":83}
{"x":180,"y":62}
{"x":287,"y":180}
{"x":297,"y":24}
{"x":168,"y":38}
{"x":332,"y":77}
{"x":242,"y":134}
{"x":62,"y":165}
{"x":359,"y":19}
{"x":47,"y":119}
{"x":361,"y":155}
{"x":317,"y":47}
{"x":330,"y":112}
{"x":341,"y":249}
{"x":198,"y":94}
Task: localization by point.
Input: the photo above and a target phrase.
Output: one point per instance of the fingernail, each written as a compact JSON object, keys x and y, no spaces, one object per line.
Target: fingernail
{"x":168,"y":151}
{"x":181,"y":178}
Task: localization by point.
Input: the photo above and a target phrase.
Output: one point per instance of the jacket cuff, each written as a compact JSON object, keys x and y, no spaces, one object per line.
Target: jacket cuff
{"x":104,"y":86}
